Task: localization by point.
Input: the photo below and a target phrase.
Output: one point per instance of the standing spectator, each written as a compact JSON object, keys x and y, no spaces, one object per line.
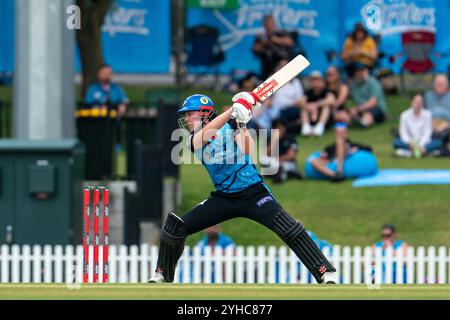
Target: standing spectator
{"x":286,"y":101}
{"x":416,"y":131}
{"x":438,"y":102}
{"x":285,"y":162}
{"x":105,"y":93}
{"x":272,"y":46}
{"x":316,"y":106}
{"x":359,"y":47}
{"x":368,"y":95}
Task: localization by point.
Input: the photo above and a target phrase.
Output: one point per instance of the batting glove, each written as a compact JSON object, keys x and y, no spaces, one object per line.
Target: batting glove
{"x":250,"y":97}
{"x":242,"y":111}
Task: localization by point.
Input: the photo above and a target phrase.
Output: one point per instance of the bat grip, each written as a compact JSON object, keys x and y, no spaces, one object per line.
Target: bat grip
{"x":233,"y":115}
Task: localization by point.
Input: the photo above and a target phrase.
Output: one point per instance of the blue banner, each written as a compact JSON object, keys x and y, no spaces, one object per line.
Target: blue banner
{"x":324,"y":25}
{"x":136,"y":36}
{"x":6,"y":36}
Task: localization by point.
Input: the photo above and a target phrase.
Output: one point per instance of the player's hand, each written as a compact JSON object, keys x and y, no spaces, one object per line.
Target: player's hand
{"x":250,"y":97}
{"x":242,"y":112}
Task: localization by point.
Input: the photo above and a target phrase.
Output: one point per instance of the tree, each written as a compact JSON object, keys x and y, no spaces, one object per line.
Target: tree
{"x":89,"y":42}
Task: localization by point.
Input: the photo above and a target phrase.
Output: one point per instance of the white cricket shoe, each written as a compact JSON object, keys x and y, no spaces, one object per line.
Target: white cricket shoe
{"x":403,"y":153}
{"x":306,"y":129}
{"x":157,"y":278}
{"x":329,"y":278}
{"x":318,"y":129}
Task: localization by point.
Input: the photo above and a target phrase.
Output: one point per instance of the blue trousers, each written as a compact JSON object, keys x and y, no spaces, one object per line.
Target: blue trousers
{"x":434,"y":144}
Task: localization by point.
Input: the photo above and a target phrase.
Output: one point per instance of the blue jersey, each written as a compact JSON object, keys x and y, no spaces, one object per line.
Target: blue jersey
{"x":97,"y":95}
{"x":229,"y":169}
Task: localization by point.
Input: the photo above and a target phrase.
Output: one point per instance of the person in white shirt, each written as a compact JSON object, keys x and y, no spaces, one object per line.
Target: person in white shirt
{"x":416,"y":131}
{"x":284,"y":104}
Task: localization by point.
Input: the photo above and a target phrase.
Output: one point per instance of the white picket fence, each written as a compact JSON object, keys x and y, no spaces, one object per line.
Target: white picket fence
{"x":63,"y":264}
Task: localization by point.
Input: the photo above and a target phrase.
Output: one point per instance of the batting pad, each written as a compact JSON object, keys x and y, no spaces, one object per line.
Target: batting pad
{"x":400,"y":177}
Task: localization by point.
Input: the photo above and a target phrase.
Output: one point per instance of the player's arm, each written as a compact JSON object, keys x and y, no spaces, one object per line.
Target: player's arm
{"x":201,"y":137}
{"x":328,"y":101}
{"x":244,"y":141}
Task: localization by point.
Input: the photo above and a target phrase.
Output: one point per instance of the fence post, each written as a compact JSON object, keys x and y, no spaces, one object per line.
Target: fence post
{"x":218,"y":264}
{"x":442,"y":263}
{"x":143,"y":259}
{"x":197,"y":265}
{"x":272,"y":264}
{"x":261,"y":264}
{"x":368,"y":265}
{"x":153,"y":258}
{"x":421,"y":265}
{"x":293,"y":270}
{"x":410,"y":265}
{"x":26,"y":268}
{"x":123,"y":270}
{"x":229,"y":264}
{"x":58,"y":258}
{"x":336,"y":261}
{"x":250,"y":264}
{"x":4,"y":252}
{"x":282,"y":264}
{"x":186,"y":261}
{"x":112,"y":264}
{"x":79,"y":263}
{"x":15,"y":263}
{"x":431,"y":278}
{"x":357,"y":265}
{"x":378,"y":266}
{"x":346,"y":265}
{"x":207,"y":264}
{"x":388,"y":265}
{"x":400,"y":265}
{"x":133,"y":264}
{"x":240,"y":265}
{"x":48,"y":270}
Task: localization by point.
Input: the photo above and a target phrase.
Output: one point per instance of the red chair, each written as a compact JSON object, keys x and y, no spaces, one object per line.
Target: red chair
{"x":418,"y":48}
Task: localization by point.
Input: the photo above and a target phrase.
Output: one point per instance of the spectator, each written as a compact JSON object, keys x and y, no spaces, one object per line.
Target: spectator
{"x":285,"y":163}
{"x":389,"y":239}
{"x":340,"y":91}
{"x":359,"y":47}
{"x":416,"y":131}
{"x":368,"y":95}
{"x":341,"y":160}
{"x":286,"y":101}
{"x":214,"y":238}
{"x":322,"y":244}
{"x":273,"y":46}
{"x":316,"y":106}
{"x":438,"y":102}
{"x":105,"y":93}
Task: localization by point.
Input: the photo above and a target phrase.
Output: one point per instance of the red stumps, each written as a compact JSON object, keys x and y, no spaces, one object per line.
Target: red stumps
{"x":86,"y":231}
{"x":105,"y":234}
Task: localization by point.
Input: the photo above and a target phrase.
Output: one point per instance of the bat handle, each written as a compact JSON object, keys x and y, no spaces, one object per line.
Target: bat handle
{"x":233,"y":115}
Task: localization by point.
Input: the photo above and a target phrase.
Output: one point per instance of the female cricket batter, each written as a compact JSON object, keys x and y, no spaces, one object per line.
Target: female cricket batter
{"x":223,"y":145}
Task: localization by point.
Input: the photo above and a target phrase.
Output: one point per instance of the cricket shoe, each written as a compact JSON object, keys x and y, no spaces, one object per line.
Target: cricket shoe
{"x":157,"y":278}
{"x":329,"y":278}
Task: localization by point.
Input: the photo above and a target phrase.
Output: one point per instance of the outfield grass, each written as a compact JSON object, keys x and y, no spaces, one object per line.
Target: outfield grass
{"x":233,"y":292}
{"x":338,"y":213}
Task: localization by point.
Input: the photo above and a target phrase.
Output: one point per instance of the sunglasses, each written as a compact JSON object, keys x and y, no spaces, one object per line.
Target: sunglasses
{"x":386,"y":235}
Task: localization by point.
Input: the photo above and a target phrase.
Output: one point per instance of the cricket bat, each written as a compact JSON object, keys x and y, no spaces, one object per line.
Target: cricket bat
{"x":280,"y":78}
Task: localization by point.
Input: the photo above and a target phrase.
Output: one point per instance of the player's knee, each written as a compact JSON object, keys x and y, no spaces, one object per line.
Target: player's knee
{"x":287,"y":227}
{"x":174,"y":230}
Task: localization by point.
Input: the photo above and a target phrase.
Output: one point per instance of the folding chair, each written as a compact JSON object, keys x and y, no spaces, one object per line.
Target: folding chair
{"x":203,"y":50}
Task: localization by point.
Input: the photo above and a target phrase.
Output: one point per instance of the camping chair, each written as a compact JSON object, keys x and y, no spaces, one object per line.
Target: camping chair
{"x":418,"y":48}
{"x":203,"y":50}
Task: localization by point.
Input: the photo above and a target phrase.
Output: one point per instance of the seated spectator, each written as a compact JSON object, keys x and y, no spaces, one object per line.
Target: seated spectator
{"x":438,"y":102}
{"x":359,"y":47}
{"x":105,"y":93}
{"x":214,"y":238}
{"x":285,"y":162}
{"x":316,"y":106}
{"x":286,"y":101}
{"x":416,"y":131}
{"x":339,"y":89}
{"x":368,"y":95}
{"x":341,"y":160}
{"x":272,"y":46}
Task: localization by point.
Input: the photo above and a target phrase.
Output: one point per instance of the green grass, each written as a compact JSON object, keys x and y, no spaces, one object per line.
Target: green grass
{"x":232,"y":292}
{"x":338,"y":213}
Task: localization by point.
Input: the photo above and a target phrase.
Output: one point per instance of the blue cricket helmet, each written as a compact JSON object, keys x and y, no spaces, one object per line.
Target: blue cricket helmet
{"x":197,"y":102}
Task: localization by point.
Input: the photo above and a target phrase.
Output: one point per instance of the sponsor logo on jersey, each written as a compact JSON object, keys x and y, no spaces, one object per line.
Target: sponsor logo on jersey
{"x":264,"y":200}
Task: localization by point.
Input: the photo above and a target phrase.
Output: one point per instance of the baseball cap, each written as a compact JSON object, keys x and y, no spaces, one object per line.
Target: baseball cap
{"x":316,"y":75}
